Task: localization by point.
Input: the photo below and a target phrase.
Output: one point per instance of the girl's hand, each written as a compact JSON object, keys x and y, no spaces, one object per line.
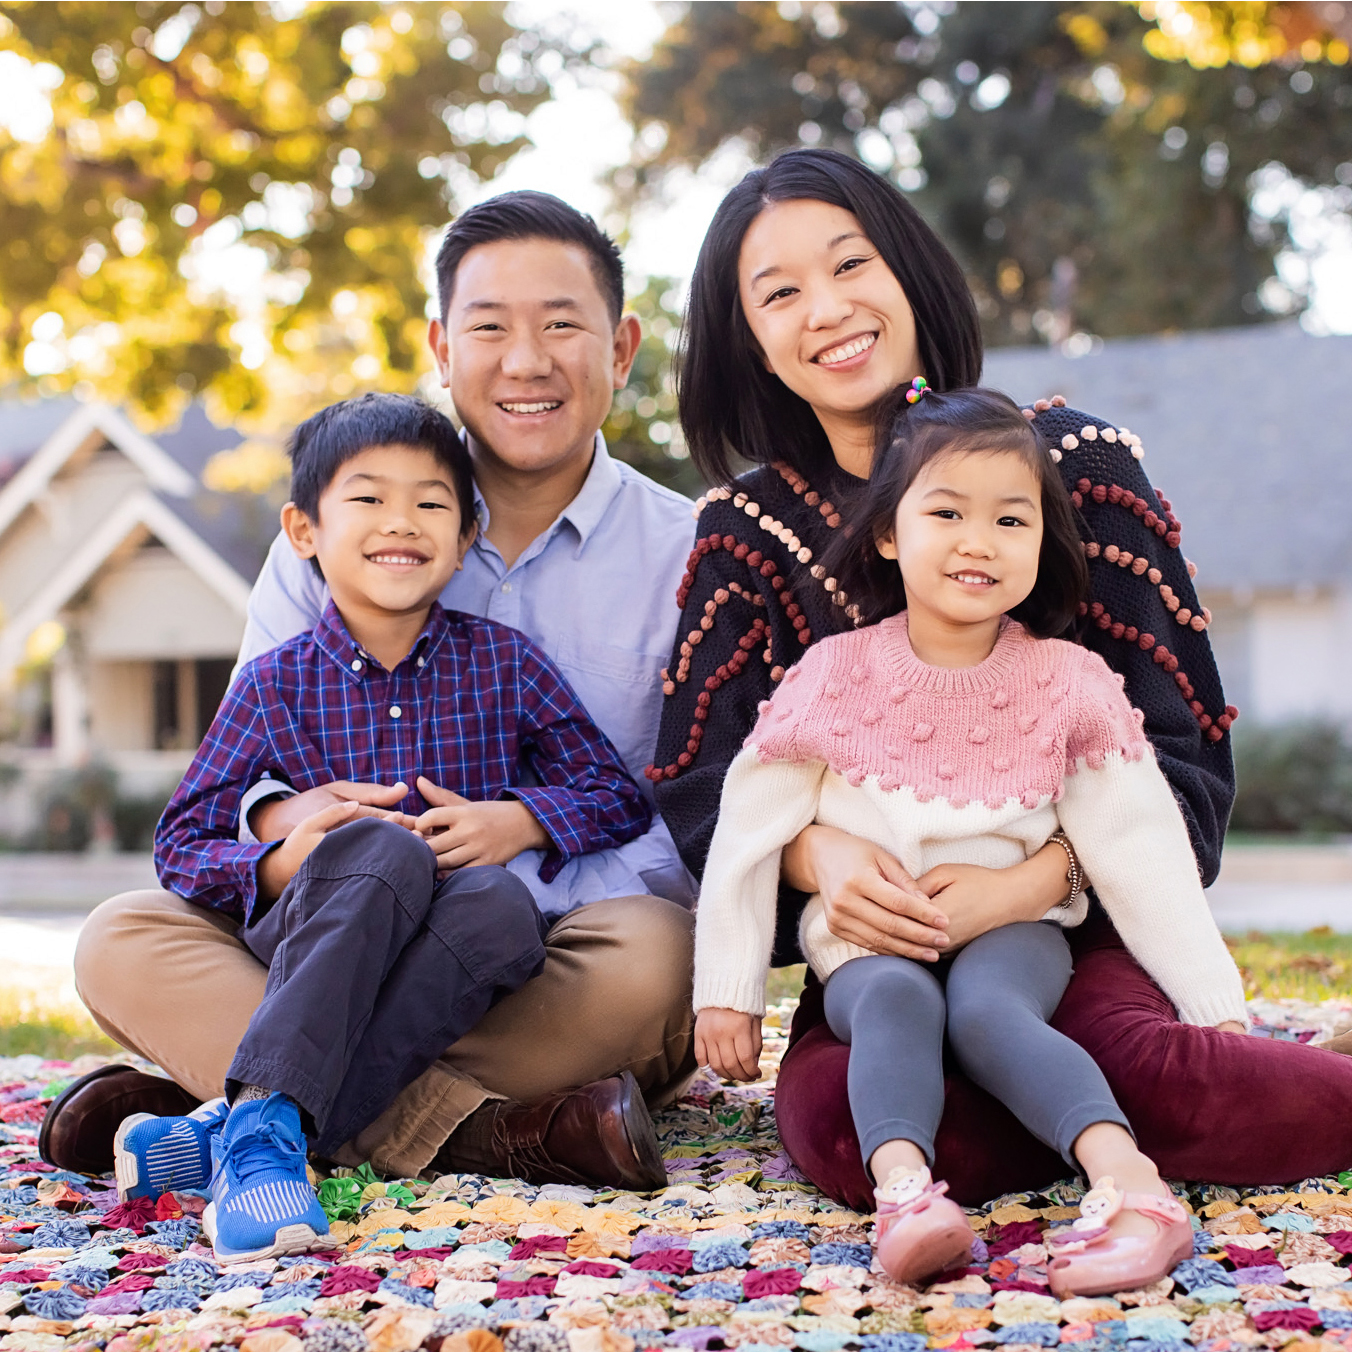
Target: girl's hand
{"x":729,"y":1043}
{"x":978,"y":899}
{"x":870,"y":899}
{"x":1231,"y":1026}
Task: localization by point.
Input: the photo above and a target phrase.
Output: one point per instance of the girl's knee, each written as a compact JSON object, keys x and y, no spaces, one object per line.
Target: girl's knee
{"x":882,"y":986}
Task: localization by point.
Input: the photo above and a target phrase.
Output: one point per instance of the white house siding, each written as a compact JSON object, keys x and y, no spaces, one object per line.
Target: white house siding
{"x":152,"y":606}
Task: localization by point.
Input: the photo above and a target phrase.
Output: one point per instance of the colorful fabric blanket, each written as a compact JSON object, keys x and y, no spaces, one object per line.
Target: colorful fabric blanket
{"x":737,"y":1251}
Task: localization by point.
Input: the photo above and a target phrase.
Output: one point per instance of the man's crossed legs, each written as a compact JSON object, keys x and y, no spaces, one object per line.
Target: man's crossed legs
{"x":541,"y":1087}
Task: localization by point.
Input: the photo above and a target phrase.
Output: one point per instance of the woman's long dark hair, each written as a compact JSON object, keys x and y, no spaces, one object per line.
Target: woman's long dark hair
{"x":730,"y":404}
{"x":975,"y":421}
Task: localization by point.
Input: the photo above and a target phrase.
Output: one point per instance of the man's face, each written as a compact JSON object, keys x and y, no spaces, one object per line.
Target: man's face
{"x":530,"y":354}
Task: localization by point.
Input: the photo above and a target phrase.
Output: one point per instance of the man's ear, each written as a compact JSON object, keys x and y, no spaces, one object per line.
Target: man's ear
{"x":441,"y":351}
{"x":886,"y":544}
{"x":628,"y":335}
{"x":299,"y":531}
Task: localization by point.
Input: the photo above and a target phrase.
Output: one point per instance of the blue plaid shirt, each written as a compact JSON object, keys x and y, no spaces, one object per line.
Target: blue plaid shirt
{"x":475,"y":707}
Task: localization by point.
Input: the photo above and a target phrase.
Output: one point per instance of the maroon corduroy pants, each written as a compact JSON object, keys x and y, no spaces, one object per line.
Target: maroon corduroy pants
{"x":1205,"y":1105}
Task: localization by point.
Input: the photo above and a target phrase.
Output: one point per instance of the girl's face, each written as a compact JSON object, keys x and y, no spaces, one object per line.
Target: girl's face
{"x":831,"y":319}
{"x":967,"y":536}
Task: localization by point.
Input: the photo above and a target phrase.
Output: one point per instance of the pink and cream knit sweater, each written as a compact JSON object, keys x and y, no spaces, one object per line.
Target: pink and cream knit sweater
{"x":968,"y":765}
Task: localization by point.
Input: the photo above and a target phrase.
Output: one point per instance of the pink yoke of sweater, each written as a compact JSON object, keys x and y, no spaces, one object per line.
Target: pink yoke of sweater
{"x":1011,"y":727}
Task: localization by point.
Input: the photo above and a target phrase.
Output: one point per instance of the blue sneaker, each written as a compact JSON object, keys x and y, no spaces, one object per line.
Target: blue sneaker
{"x":262,"y":1204}
{"x":152,"y":1155}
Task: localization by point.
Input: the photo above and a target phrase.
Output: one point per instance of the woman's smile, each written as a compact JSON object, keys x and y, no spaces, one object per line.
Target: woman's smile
{"x":849,"y":355}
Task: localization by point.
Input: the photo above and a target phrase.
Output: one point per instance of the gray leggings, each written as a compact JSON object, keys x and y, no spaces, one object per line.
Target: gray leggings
{"x":996,"y":996}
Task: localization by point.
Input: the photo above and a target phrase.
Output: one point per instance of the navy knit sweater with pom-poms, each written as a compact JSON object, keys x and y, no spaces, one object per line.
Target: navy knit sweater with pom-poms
{"x":755,"y":597}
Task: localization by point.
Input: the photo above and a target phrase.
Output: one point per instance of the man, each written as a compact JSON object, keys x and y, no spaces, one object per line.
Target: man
{"x":581,"y":553}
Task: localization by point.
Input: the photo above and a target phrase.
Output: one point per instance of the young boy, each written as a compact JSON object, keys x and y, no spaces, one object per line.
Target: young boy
{"x":377,"y":961}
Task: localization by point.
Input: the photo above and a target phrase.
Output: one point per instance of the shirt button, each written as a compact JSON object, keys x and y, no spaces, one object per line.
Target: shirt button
{"x":422,"y":661}
{"x":506,"y":586}
{"x":396,"y":711}
{"x":356,"y":664}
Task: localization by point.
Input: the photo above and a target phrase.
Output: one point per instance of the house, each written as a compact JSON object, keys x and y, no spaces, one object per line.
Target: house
{"x":1246,"y":431}
{"x":123,"y":586}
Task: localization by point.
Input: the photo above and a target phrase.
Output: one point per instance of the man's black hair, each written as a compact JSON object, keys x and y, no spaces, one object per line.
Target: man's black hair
{"x":530,"y":215}
{"x":324,"y":443}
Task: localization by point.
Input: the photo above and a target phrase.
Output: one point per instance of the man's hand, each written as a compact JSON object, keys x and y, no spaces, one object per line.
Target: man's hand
{"x":465,"y":834}
{"x":870,"y":899}
{"x":278,"y":867}
{"x":729,"y":1043}
{"x":276,"y":818}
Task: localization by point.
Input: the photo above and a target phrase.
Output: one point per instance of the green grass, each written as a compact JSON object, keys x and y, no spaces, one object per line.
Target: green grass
{"x":1316,"y":965}
{"x":58,"y":1034}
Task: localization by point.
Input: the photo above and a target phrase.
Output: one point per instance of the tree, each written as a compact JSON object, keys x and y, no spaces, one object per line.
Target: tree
{"x":311,"y":149}
{"x":1092,"y":164}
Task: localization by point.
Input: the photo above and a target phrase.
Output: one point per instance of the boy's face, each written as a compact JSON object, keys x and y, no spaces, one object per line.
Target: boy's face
{"x":388,"y":531}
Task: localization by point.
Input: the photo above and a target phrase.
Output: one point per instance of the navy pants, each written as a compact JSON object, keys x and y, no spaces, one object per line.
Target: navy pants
{"x":994,"y":1000}
{"x":375,"y":966}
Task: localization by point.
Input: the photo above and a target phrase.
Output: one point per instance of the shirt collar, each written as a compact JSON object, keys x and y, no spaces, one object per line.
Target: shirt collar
{"x":588,"y":508}
{"x":332,"y":638}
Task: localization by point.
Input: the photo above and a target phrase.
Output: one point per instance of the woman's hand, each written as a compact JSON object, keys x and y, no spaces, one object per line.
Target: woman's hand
{"x":729,"y":1043}
{"x":1231,"y":1026}
{"x":978,"y":899}
{"x":870,"y":899}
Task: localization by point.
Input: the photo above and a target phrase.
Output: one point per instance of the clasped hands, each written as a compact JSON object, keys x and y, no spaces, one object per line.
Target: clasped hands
{"x":461,"y":833}
{"x":873,"y":902}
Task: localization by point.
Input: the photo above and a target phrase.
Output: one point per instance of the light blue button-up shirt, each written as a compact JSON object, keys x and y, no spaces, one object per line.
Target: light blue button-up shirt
{"x":597,"y":592}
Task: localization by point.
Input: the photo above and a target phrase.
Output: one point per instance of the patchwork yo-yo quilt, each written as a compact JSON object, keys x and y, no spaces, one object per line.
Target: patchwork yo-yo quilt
{"x":738,"y":1251}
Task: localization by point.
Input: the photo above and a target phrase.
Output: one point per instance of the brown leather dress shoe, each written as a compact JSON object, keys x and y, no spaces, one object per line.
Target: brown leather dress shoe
{"x":77,"y":1133}
{"x":599,"y":1135}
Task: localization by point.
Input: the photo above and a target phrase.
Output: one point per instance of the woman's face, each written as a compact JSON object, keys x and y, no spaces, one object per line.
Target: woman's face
{"x":831,"y":319}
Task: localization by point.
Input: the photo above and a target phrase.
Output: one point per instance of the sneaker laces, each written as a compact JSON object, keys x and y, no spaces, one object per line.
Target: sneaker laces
{"x":256,"y":1149}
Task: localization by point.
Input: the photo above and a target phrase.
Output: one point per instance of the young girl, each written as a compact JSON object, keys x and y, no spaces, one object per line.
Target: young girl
{"x":953,"y":726}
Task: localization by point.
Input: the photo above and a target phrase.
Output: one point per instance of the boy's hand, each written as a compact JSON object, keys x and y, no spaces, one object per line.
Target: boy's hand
{"x":278,"y":867}
{"x":276,"y":818}
{"x":729,"y":1043}
{"x":465,"y":834}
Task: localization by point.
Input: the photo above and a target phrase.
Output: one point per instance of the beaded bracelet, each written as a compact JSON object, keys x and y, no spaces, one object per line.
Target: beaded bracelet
{"x":1074,"y":873}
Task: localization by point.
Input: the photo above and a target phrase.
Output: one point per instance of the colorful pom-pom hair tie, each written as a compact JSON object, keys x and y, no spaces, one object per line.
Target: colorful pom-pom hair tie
{"x":919,"y":388}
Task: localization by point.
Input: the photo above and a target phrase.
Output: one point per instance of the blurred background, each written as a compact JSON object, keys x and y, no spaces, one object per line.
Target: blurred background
{"x":215,"y":218}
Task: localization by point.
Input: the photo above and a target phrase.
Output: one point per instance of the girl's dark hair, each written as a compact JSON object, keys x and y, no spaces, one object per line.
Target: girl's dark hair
{"x":976,"y":421}
{"x":730,"y":404}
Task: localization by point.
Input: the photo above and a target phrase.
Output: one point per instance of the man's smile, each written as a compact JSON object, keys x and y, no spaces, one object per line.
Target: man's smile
{"x":520,"y":407}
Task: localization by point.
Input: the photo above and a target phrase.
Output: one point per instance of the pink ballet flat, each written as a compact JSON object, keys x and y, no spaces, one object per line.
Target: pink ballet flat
{"x":1086,"y":1260}
{"x":919,"y":1231}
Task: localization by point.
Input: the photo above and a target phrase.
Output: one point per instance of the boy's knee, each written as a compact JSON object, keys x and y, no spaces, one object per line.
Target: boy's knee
{"x":373,"y":841}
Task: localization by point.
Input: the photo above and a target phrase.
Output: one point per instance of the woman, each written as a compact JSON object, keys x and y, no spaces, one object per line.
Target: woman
{"x":818,"y":290}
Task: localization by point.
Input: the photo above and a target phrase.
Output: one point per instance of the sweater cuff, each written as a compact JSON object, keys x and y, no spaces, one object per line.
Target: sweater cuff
{"x":727,"y":990}
{"x":1206,"y":1010}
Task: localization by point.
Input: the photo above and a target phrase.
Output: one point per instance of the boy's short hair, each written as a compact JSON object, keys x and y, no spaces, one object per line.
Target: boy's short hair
{"x":527,"y":214}
{"x":325,"y":442}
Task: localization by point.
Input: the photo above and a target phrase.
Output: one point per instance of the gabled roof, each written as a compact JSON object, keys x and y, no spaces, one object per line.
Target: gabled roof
{"x":1246,"y":431}
{"x":222,"y":537}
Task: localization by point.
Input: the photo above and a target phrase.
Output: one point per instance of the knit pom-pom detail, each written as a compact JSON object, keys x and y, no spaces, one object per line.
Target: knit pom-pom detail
{"x":922,"y":732}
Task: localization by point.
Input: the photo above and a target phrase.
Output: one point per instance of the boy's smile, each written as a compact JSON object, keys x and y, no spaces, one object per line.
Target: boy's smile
{"x":388,"y":537}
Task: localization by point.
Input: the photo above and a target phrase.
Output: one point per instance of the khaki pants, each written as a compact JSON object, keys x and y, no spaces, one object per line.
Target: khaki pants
{"x":171,"y":982}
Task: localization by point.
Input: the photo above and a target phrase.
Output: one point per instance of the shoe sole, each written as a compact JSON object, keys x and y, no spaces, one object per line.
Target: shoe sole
{"x":290,"y":1239}
{"x":649,"y":1172}
{"x":126,"y":1166}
